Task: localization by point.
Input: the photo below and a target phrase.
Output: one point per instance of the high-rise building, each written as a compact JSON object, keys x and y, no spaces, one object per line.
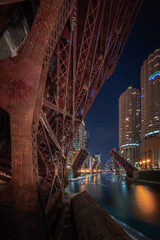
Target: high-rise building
{"x":91,"y":161}
{"x":150,"y":111}
{"x":129,"y":124}
{"x":98,"y":158}
{"x":86,"y":147}
{"x":80,"y":142}
{"x":86,"y":139}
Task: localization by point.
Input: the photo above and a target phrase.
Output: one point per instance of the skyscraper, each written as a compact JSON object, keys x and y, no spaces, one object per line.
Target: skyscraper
{"x":80,"y":142}
{"x":150,"y":111}
{"x":129,"y":124}
{"x":86,"y":139}
{"x":98,"y":158}
{"x":86,"y":146}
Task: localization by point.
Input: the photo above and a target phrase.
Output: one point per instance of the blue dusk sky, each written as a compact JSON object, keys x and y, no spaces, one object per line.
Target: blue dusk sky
{"x":102,"y":120}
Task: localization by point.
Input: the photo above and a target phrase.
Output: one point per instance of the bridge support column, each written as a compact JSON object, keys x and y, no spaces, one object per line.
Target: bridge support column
{"x":21,"y":217}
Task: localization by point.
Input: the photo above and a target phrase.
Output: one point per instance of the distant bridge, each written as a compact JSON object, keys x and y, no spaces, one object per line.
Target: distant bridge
{"x":79,"y":162}
{"x":129,"y":168}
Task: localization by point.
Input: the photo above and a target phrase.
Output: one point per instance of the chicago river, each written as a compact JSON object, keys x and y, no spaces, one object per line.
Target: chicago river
{"x":135,"y":204}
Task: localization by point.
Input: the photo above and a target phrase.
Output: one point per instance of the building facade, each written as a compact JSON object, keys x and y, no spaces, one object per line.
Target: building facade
{"x":92,"y":160}
{"x":80,"y":142}
{"x":98,"y":158}
{"x":129,"y":124}
{"x":150,"y":111}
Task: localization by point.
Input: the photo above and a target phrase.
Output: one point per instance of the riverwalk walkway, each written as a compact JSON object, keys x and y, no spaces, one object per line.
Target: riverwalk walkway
{"x":83,"y":218}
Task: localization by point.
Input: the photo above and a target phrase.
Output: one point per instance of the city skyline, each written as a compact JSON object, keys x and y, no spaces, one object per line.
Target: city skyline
{"x":102,"y":119}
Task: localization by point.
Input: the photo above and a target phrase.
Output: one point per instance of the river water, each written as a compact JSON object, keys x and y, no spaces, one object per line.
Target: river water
{"x":136,"y":204}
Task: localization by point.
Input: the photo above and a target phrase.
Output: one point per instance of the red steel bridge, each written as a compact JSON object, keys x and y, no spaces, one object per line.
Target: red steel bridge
{"x":79,"y":162}
{"x":118,"y":159}
{"x":46,"y":90}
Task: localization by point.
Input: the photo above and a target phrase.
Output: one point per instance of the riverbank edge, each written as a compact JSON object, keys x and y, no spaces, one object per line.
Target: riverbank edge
{"x":141,"y":180}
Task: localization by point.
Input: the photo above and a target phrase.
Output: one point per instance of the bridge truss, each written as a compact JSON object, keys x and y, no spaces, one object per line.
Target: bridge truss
{"x":79,"y":162}
{"x":52,"y":83}
{"x":119,"y":160}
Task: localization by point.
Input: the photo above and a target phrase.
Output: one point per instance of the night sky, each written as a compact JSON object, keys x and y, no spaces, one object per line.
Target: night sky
{"x":102,"y":119}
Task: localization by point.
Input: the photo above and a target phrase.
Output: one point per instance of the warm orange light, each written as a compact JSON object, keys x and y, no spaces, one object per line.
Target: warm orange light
{"x":86,"y":180}
{"x":148,"y":160}
{"x":94,"y":179}
{"x":144,"y":161}
{"x":140,"y":162}
{"x":145,"y":200}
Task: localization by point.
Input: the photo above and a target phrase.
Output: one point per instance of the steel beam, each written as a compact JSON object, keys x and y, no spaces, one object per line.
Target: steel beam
{"x":4,"y":2}
{"x":85,"y":45}
{"x":53,"y":106}
{"x":50,"y":131}
{"x":4,"y":178}
{"x":127,"y":165}
{"x":91,"y":61}
{"x":82,"y":62}
{"x":79,"y":161}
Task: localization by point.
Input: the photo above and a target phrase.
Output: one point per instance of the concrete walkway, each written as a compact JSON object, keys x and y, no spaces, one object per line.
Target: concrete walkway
{"x":83,"y":219}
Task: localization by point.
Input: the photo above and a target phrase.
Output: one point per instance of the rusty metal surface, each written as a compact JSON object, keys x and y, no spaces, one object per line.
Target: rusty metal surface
{"x":65,"y":60}
{"x":81,"y":63}
{"x":22,"y":196}
{"x":4,"y":2}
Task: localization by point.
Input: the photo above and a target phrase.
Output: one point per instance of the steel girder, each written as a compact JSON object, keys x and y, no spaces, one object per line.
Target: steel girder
{"x":81,"y":54}
{"x":79,"y":161}
{"x":116,"y":165}
{"x":21,"y":201}
{"x":95,"y":164}
{"x":129,"y":168}
{"x":74,"y":59}
{"x":84,"y":57}
{"x":45,"y":143}
{"x":3,"y":2}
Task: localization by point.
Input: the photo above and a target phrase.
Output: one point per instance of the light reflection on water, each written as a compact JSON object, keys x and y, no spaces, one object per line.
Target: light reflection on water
{"x":135,"y":204}
{"x":146,"y":203}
